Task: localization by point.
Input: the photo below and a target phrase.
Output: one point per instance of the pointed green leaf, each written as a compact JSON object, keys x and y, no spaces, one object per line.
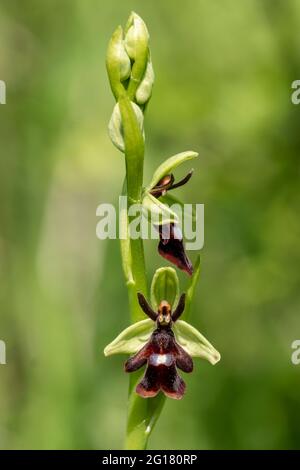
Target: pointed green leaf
{"x":165,"y":286}
{"x":156,"y":212}
{"x":169,"y":165}
{"x":194,"y":343}
{"x":131,"y":340}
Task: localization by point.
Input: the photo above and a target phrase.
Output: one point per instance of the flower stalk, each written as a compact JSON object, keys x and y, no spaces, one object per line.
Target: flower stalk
{"x":131,"y":78}
{"x":141,"y":414}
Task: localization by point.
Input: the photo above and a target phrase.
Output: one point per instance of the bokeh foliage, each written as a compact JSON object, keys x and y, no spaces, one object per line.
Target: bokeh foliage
{"x":223,"y":82}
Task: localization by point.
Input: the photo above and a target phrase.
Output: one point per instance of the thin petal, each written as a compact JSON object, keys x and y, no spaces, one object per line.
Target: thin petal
{"x":146,"y":307}
{"x":183,"y":181}
{"x":163,"y":186}
{"x":179,"y":309}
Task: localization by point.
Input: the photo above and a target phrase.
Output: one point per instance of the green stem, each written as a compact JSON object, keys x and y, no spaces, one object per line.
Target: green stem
{"x":134,"y":156}
{"x":134,"y":150}
{"x":132,"y":252}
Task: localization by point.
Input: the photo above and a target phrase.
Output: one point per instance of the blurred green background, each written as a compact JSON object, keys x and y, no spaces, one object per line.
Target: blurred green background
{"x":224,"y":70}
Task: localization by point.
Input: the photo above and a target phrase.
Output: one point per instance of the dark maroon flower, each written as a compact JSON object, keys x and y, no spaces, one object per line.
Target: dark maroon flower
{"x":171,"y":247}
{"x":162,"y":354}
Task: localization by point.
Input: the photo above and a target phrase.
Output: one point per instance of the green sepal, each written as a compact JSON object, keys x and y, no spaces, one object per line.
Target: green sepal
{"x":164,"y":286}
{"x":132,"y":339}
{"x":171,"y":200}
{"x":156,"y":212}
{"x":194,"y":343}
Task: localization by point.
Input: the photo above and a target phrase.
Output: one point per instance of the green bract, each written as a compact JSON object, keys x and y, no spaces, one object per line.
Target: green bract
{"x":165,"y":286}
{"x":194,"y":343}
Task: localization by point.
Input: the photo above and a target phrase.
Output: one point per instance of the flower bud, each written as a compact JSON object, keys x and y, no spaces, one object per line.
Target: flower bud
{"x":144,"y":91}
{"x":115,"y":127}
{"x":117,"y":60}
{"x":137,"y":36}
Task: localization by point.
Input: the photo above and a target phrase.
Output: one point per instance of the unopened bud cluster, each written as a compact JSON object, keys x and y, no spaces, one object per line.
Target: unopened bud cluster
{"x":130,"y":73}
